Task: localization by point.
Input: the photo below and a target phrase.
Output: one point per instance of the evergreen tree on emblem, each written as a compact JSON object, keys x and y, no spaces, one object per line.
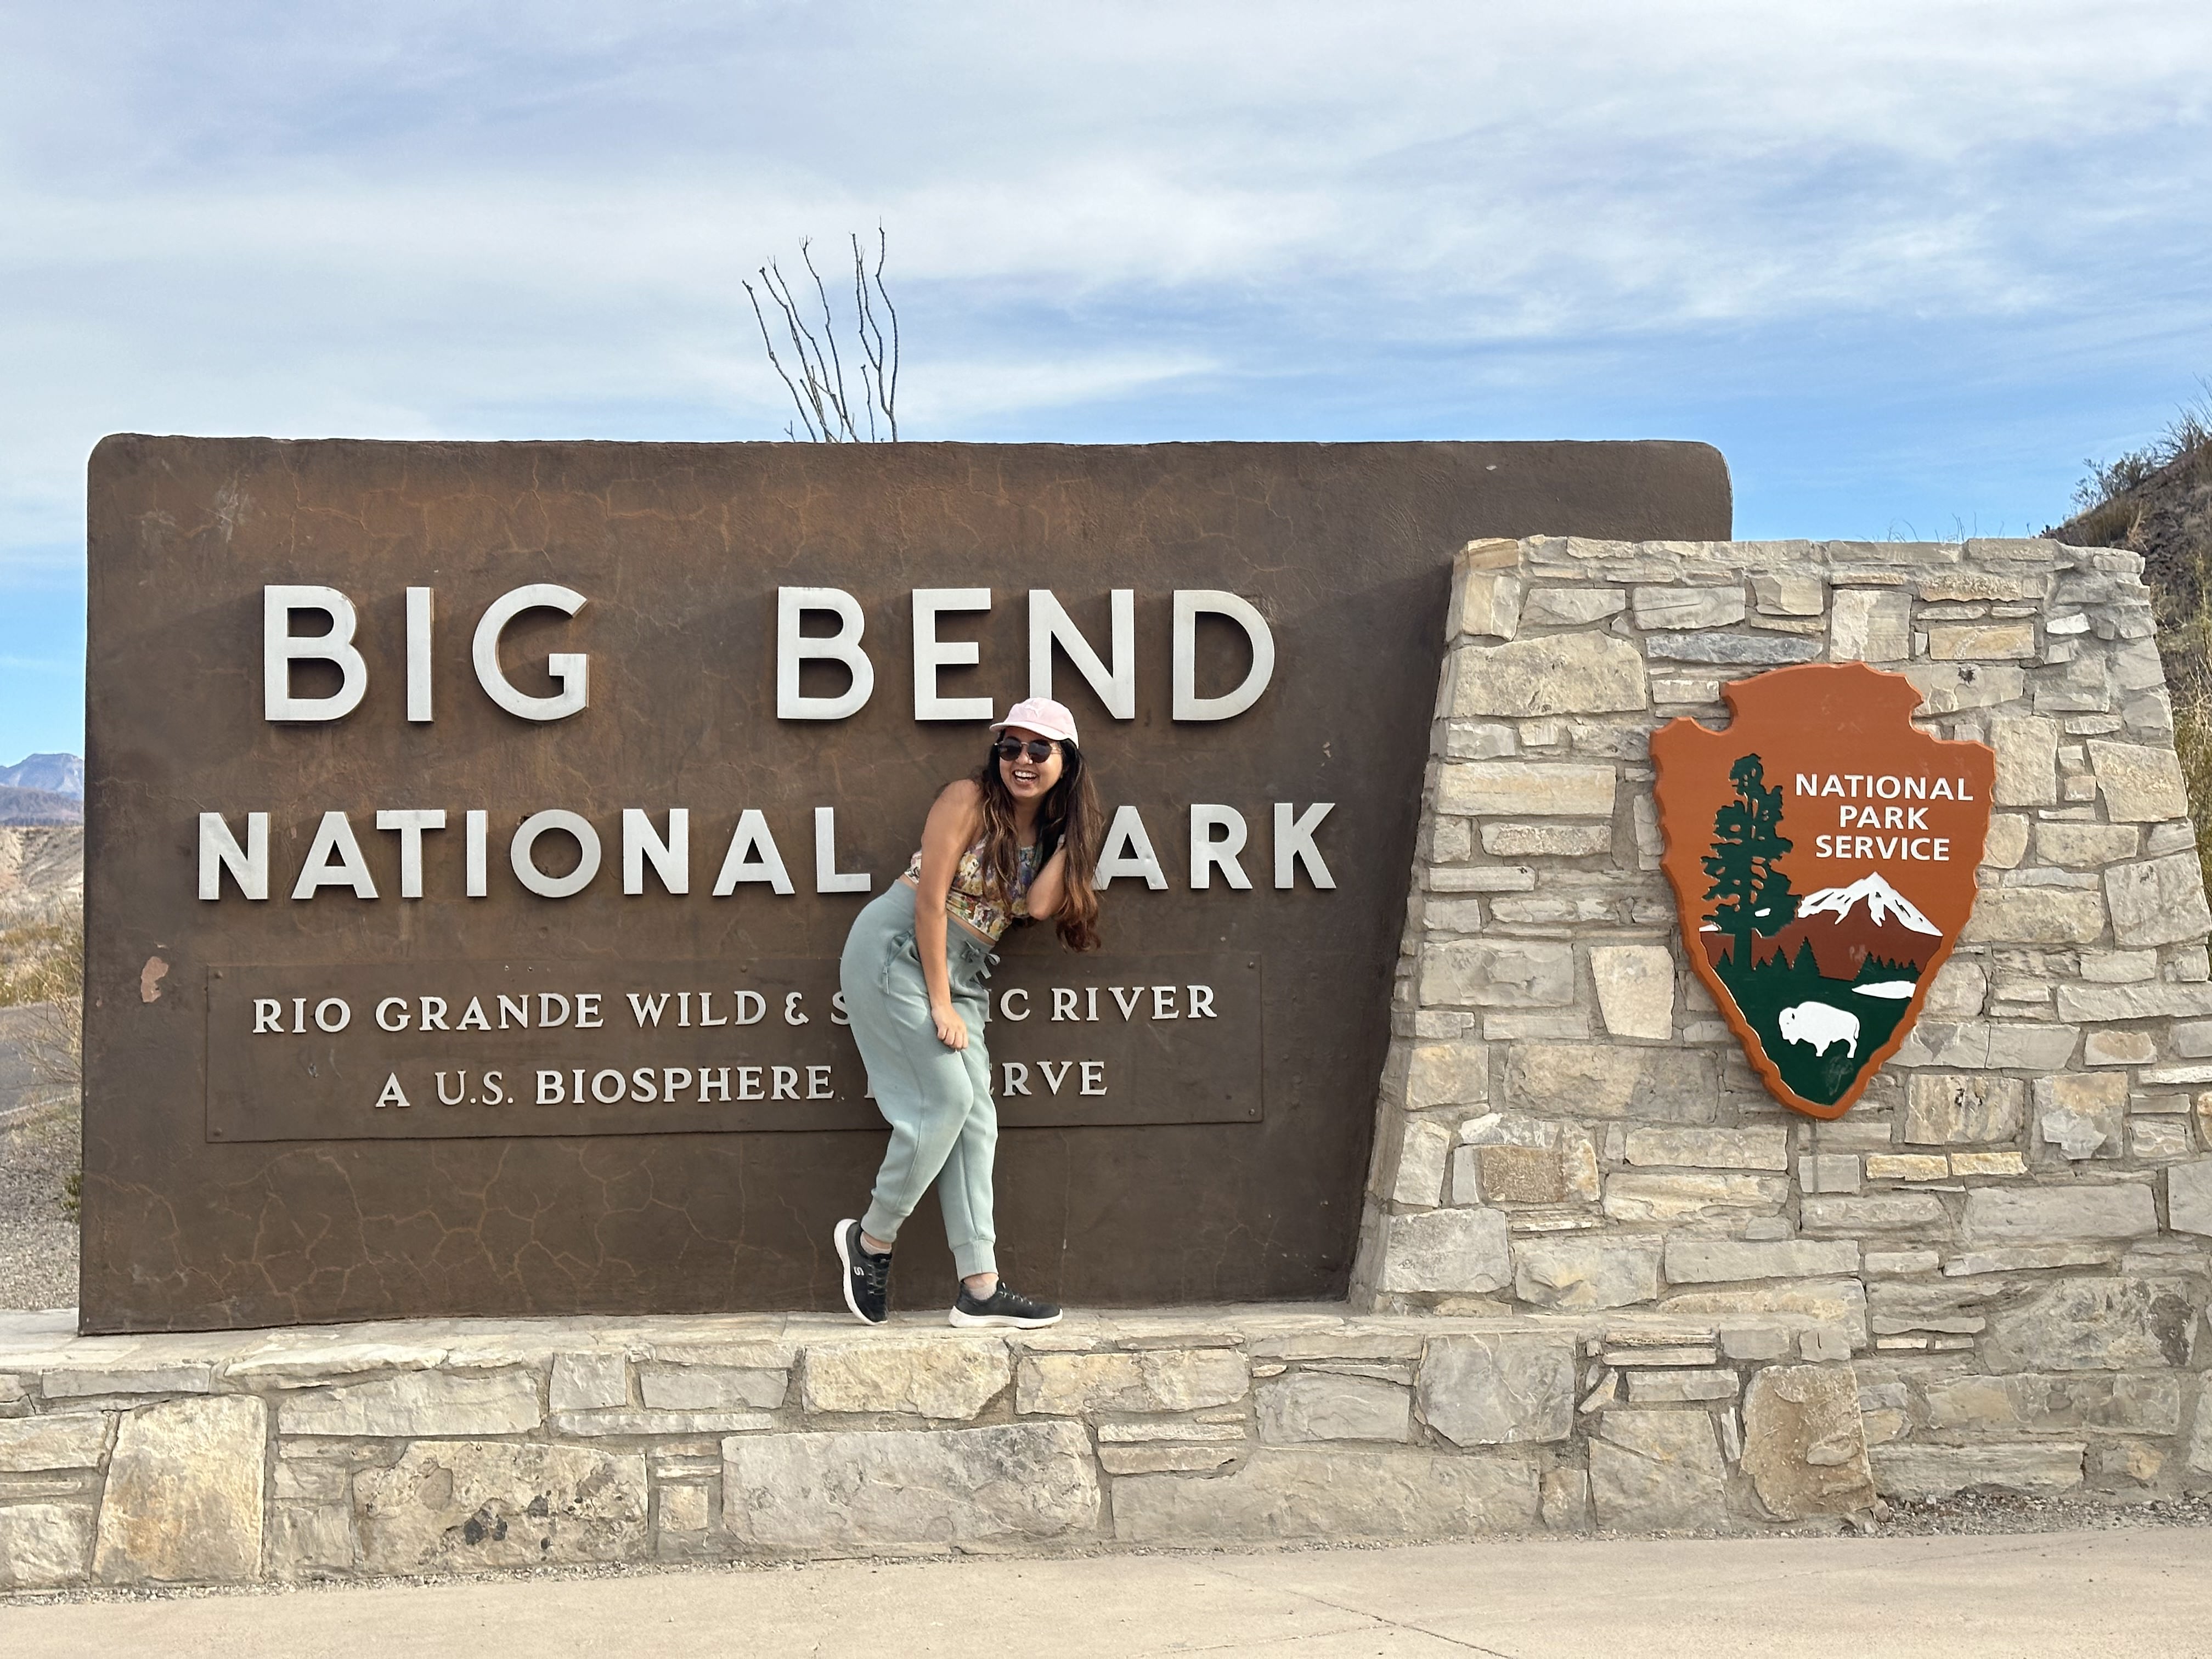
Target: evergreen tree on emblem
{"x":1752,"y":892}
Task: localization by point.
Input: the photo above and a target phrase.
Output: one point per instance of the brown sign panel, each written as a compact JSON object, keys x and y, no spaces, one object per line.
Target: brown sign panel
{"x":1822,"y":851}
{"x":464,"y":721}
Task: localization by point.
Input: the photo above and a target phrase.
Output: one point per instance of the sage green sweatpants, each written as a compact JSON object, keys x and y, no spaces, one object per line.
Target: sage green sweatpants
{"x":945,"y":1125}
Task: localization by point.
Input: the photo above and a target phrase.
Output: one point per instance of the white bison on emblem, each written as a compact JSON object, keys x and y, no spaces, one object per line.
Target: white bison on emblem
{"x":1816,"y":1025}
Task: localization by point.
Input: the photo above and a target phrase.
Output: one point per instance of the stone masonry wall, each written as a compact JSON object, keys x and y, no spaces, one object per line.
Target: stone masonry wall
{"x":1993,"y":1269}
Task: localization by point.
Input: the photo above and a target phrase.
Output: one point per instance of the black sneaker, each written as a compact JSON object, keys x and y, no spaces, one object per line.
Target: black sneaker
{"x":867,"y":1275}
{"x":1003,"y":1307}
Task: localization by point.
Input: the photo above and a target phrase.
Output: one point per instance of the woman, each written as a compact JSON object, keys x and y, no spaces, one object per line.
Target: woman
{"x":1018,"y":841}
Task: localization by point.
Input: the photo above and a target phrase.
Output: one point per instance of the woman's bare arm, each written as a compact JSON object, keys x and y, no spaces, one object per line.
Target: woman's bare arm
{"x":946,"y":834}
{"x":1049,"y":886}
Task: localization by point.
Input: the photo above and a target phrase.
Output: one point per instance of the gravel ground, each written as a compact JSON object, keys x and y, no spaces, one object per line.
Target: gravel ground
{"x":38,"y":1241}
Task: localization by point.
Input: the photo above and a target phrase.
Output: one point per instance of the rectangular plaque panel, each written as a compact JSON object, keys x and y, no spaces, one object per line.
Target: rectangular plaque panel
{"x":457,"y":1050}
{"x":227,"y":1186}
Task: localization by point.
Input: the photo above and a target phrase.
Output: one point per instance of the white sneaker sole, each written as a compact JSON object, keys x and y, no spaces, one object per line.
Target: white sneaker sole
{"x":845,"y":1280}
{"x":999,"y":1321}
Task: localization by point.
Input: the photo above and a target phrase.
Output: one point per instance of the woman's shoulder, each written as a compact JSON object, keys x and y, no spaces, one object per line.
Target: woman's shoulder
{"x":963,"y":792}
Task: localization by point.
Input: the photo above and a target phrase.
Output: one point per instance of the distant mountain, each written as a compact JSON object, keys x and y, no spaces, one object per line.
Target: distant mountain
{"x":1845,"y":926}
{"x":60,"y":774}
{"x":29,"y":806}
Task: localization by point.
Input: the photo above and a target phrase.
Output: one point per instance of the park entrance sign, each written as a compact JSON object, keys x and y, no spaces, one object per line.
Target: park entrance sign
{"x":1822,"y":852}
{"x":473,"y":830}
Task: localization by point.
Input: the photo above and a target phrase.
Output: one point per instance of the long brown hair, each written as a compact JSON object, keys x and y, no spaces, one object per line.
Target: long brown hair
{"x":1067,"y":816}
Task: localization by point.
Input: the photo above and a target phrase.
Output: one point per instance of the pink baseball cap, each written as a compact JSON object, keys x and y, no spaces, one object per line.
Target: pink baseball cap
{"x":1042,"y":716}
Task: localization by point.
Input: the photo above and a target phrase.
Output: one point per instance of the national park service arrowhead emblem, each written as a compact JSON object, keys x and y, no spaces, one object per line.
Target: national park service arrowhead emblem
{"x":1822,"y":851}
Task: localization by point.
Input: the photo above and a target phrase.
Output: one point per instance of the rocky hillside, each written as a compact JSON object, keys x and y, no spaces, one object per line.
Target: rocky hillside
{"x":2164,"y":512}
{"x":19,"y":806}
{"x":41,"y":869}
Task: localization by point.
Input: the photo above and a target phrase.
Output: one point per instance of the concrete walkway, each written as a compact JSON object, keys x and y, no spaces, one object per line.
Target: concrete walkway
{"x":2081,"y":1595}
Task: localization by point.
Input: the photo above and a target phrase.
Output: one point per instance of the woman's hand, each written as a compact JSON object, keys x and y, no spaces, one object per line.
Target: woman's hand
{"x":951,"y":1030}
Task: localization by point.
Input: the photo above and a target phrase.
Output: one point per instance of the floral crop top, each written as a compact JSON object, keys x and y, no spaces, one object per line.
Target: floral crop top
{"x":967,"y":898}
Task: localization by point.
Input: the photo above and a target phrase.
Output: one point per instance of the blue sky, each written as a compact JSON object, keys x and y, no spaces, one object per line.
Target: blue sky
{"x":1905,"y":263}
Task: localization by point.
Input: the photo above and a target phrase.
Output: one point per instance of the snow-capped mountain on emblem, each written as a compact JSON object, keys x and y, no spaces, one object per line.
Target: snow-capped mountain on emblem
{"x":1883,"y":901}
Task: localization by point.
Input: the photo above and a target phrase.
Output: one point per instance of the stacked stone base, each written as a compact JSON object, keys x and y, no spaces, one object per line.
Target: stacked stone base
{"x":467,"y":1446}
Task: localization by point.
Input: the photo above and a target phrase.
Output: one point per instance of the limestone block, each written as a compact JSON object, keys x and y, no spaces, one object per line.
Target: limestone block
{"x":1925,"y":1473}
{"x":1804,"y":1441}
{"x":1447,"y":1074}
{"x":2082,"y":1115}
{"x":2093,"y":1324}
{"x":1680,"y":1388}
{"x":2159,"y":1139}
{"x":2158,"y":902}
{"x":1163,"y":1460}
{"x":1566,"y":1499}
{"x":588,"y":1382}
{"x":2006,"y":844}
{"x":1655,"y":1470}
{"x":1524,"y":841}
{"x":710,"y":1388}
{"x":1870,"y":626}
{"x":1283,"y":1494}
{"x":1996,"y":1045}
{"x":1731,"y":650}
{"x":1790,"y":596}
{"x":684,"y":1509}
{"x":1497,"y":974}
{"x":1571,"y":607}
{"x":1672,"y":1198}
{"x":43,"y":1545}
{"x":2155,"y":999}
{"x":183,"y":1499}
{"x":1559,"y":674}
{"x":2141,"y":783}
{"x":1635,"y":989}
{"x":1499,"y":1389}
{"x":1515,"y":1174}
{"x":1150,"y":1380}
{"x":1597,"y":1080}
{"x":591,"y":1426}
{"x":70,"y":1440}
{"x":1764,"y":1146}
{"x":1980,"y":641}
{"x":1421,"y":1157}
{"x":1568,"y":1270}
{"x":2189,"y":1197}
{"x":1875,"y":1212}
{"x":2027,"y":760}
{"x":463,"y":1505}
{"x":1011,"y":1483}
{"x":1462,"y":1250}
{"x":2036,"y":915}
{"x":417,"y":1404}
{"x":951,"y":1378}
{"x":2035,"y":1215}
{"x":1676,"y":606}
{"x":310,"y":1540}
{"x":1948,"y":1109}
{"x":1950,"y":688}
{"x":1829,"y":1172}
{"x":1324,"y":1406}
{"x":2037,"y":1403}
{"x":1486,"y":603}
{"x":1692,"y":1261}
{"x":309,"y":1479}
{"x":1525,"y":789}
{"x":83,"y":1383}
{"x":2086,"y":844}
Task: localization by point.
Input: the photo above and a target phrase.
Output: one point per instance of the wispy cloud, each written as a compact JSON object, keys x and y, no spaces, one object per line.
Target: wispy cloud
{"x":1127,"y":220}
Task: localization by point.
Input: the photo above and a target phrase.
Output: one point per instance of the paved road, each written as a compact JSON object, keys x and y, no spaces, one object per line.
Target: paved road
{"x":2083,"y":1596}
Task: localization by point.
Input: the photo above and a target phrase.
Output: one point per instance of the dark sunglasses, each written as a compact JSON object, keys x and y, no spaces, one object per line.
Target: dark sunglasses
{"x":1013,"y":749}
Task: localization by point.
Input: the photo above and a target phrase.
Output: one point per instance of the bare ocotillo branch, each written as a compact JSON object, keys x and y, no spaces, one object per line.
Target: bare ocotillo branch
{"x":816,"y":378}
